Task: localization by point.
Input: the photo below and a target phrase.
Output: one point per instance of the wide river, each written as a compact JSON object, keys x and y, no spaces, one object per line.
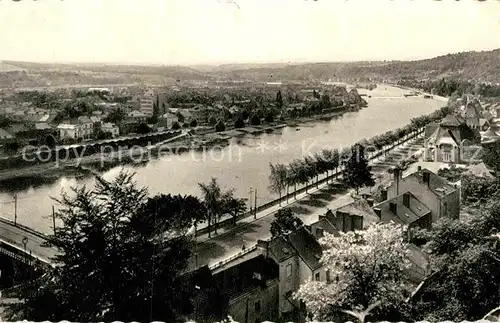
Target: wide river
{"x":242,"y":165}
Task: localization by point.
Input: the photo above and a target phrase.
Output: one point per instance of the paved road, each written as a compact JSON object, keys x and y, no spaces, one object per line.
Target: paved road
{"x":230,"y":241}
{"x":14,"y":235}
{"x":308,"y":207}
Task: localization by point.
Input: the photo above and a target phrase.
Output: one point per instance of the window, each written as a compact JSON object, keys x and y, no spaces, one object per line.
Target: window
{"x":257,"y":306}
{"x":289,"y":270}
{"x":328,"y":278}
{"x":445,"y":209}
{"x":317,"y":276}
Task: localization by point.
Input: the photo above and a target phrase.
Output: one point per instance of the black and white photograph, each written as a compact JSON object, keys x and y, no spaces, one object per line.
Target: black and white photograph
{"x":249,"y":161}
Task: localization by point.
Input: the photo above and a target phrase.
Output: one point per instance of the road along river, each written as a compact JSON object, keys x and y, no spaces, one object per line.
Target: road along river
{"x":242,"y":165}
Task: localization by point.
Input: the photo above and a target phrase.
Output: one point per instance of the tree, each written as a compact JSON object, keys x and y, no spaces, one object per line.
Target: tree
{"x":143,"y":129}
{"x":284,"y":222}
{"x":232,"y":205}
{"x":220,"y":126}
{"x":193,"y":123}
{"x":212,"y":121}
{"x":279,"y":100}
{"x":255,"y":120}
{"x":50,"y":141}
{"x":491,"y":155}
{"x":357,"y":173}
{"x":239,"y":123}
{"x":465,"y":257}
{"x":215,"y":201}
{"x":365,"y":267}
{"x":180,"y":117}
{"x":114,"y":243}
{"x":269,"y":117}
{"x":277,"y":179}
{"x":245,"y":115}
{"x":115,"y":116}
{"x":176,"y":126}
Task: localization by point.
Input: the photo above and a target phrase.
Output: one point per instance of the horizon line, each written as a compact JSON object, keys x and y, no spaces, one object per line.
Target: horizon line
{"x":290,"y":62}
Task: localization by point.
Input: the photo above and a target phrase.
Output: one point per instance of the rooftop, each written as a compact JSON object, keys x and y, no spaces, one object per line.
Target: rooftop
{"x":437,"y":184}
{"x":307,"y":247}
{"x":401,"y":211}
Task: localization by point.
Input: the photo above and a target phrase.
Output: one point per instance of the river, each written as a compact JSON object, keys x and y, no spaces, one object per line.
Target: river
{"x":242,"y":165}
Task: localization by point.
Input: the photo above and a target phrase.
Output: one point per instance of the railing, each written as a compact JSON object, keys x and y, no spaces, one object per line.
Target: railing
{"x":23,"y":228}
{"x":291,"y":195}
{"x":233,"y":257}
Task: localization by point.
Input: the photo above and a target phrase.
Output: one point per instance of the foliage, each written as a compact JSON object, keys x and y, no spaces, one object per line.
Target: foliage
{"x":232,"y":205}
{"x":357,"y":173}
{"x":101,"y":135}
{"x":269,"y":117}
{"x":193,"y":123}
{"x":465,"y":257}
{"x":284,"y":222}
{"x":220,"y":126}
{"x":365,"y":267}
{"x":277,"y":179}
{"x":491,"y":156}
{"x":5,"y":121}
{"x":115,"y":116}
{"x":477,"y":190}
{"x":255,"y":120}
{"x":212,"y":121}
{"x":143,"y":129}
{"x":217,"y":202}
{"x":180,"y":117}
{"x":279,"y":100}
{"x":176,"y":126}
{"x":452,"y":174}
{"x":239,"y":123}
{"x":121,"y":256}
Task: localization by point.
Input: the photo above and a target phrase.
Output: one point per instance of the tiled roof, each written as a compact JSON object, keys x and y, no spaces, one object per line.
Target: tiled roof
{"x":403,"y":214}
{"x":430,"y":129}
{"x":451,"y":121}
{"x":307,"y":247}
{"x":42,"y":126}
{"x":360,"y":207}
{"x":326,"y":225}
{"x":5,"y":135}
{"x":281,"y":249}
{"x":246,"y":276}
{"x":437,"y":184}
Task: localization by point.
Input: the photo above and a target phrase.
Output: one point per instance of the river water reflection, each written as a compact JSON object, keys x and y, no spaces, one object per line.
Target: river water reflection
{"x":245,"y":162}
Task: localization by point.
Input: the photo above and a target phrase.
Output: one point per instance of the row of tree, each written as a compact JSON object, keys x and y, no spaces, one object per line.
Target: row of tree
{"x":352,"y":161}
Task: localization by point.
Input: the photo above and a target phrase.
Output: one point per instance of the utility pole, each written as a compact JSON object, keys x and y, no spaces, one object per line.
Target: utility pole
{"x":255,"y":207}
{"x":15,"y":209}
{"x":54,"y":219}
{"x":250,"y":200}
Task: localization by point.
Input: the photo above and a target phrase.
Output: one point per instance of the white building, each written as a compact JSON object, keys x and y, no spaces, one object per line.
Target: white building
{"x":69,"y":131}
{"x":170,"y":118}
{"x":87,"y":126}
{"x":111,"y":128}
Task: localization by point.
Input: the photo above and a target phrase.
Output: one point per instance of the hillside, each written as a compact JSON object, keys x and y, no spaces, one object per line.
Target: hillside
{"x":483,"y":66}
{"x":468,"y":65}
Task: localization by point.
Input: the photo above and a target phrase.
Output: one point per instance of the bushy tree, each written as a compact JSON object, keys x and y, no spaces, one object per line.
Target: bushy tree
{"x":212,"y":121}
{"x":465,"y":258}
{"x":143,"y":129}
{"x":285,"y":222}
{"x":193,"y":123}
{"x":255,"y":120}
{"x":220,"y":126}
{"x":120,"y":256}
{"x":277,"y":179}
{"x":176,"y":126}
{"x":365,"y":268}
{"x":357,"y":172}
{"x":239,"y":123}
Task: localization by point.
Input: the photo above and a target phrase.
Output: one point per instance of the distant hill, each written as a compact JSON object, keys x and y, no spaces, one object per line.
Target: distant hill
{"x":468,"y":65}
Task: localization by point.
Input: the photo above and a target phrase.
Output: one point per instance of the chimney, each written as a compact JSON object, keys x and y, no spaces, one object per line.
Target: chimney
{"x":397,"y":177}
{"x":369,"y":201}
{"x":378,"y":212}
{"x":406,"y":200}
{"x":393,"y":207}
{"x":426,"y":177}
{"x":383,"y":195}
{"x":419,"y":168}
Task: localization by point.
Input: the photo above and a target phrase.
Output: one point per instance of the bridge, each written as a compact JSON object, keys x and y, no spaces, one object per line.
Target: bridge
{"x":24,"y":244}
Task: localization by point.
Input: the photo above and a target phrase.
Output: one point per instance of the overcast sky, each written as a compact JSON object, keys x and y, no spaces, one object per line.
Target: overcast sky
{"x":215,"y":31}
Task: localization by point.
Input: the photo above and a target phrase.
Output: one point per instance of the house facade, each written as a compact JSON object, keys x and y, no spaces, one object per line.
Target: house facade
{"x":111,"y":128}
{"x":429,"y":189}
{"x":69,"y":131}
{"x":448,"y":141}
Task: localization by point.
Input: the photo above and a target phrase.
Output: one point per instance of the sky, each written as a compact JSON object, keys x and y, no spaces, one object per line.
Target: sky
{"x":189,"y":32}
